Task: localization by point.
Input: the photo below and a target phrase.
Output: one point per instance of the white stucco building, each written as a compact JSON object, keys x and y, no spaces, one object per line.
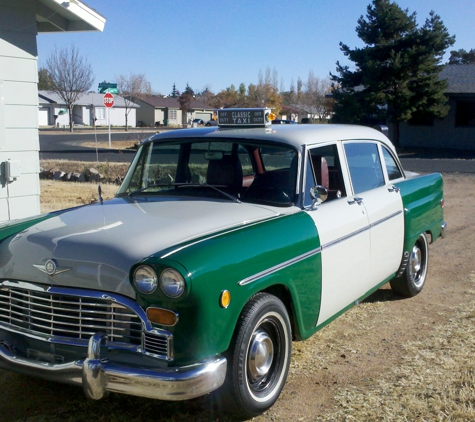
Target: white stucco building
{"x":53,"y":112}
{"x":20,"y":22}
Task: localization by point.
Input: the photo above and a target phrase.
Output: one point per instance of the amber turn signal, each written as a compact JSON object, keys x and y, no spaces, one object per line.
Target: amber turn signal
{"x":162,"y":316}
{"x":225,"y":299}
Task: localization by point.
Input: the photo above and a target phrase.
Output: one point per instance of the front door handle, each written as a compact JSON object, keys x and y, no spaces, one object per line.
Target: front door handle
{"x":394,"y":189}
{"x":355,"y":200}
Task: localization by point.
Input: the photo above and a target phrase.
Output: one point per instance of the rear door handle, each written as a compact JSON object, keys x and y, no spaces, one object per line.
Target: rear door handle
{"x":394,"y":189}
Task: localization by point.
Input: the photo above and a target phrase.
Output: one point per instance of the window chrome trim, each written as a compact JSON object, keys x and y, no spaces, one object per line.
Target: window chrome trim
{"x":280,"y":266}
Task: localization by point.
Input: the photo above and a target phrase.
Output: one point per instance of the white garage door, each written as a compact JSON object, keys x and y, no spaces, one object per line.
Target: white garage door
{"x":43,"y":116}
{"x":203,"y":116}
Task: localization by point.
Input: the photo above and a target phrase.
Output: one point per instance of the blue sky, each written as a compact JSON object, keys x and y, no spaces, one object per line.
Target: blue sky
{"x":219,"y":43}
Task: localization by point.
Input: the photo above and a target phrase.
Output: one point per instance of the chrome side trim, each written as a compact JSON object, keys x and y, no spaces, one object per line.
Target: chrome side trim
{"x":343,"y":238}
{"x":279,"y":266}
{"x":362,"y":230}
{"x":299,"y":258}
{"x":394,"y":214}
{"x":245,"y":224}
{"x":98,"y":375}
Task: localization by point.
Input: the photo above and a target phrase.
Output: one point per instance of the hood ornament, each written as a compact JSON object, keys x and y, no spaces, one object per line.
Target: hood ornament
{"x":51,"y":268}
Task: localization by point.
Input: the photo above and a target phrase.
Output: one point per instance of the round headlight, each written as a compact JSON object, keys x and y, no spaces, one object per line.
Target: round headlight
{"x":145,"y":279}
{"x":172,"y":283}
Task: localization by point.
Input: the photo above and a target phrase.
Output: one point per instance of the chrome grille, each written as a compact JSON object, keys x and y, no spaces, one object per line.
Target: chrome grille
{"x":156,"y":345}
{"x":69,"y":316}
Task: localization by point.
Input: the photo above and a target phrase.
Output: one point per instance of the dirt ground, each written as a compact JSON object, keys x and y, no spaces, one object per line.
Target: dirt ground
{"x":385,"y":353}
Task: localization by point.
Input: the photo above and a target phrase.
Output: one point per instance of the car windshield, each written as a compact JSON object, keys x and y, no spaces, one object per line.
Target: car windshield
{"x":244,"y":171}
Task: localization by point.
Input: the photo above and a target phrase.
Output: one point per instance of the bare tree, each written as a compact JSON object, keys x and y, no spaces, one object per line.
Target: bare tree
{"x":317,"y":104}
{"x":132,"y":86}
{"x":71,"y":76}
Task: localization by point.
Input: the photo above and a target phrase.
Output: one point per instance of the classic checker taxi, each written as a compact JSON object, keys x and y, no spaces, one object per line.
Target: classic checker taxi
{"x":222,"y":245}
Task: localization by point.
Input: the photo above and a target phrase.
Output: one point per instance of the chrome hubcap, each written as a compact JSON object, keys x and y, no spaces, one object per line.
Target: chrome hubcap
{"x":416,"y":259}
{"x":261,"y":354}
{"x":418,"y":266}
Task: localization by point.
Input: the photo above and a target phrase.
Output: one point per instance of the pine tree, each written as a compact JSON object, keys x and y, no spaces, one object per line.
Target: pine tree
{"x":462,"y":56}
{"x":175,"y":93}
{"x":189,"y":90}
{"x":396,"y":73}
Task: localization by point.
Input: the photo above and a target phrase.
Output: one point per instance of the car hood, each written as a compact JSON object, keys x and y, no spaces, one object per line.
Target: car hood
{"x":96,"y":245}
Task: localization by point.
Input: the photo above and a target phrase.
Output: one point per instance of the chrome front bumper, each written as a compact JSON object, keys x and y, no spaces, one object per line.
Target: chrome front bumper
{"x":101,"y":376}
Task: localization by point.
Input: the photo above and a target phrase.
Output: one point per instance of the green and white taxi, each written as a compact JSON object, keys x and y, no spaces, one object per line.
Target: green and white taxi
{"x":222,"y":246}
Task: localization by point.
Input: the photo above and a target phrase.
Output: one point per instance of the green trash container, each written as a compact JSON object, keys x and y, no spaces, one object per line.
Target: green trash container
{"x":165,"y":122}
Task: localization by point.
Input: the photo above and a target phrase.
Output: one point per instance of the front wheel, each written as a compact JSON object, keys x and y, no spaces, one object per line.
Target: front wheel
{"x":412,"y":280}
{"x":259,"y":357}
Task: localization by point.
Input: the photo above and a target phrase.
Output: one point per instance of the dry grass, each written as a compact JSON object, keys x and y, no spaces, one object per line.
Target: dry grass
{"x":56,"y":195}
{"x":128,"y":144}
{"x":434,"y":383}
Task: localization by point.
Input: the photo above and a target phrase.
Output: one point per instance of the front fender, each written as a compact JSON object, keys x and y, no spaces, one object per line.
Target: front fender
{"x":281,"y":251}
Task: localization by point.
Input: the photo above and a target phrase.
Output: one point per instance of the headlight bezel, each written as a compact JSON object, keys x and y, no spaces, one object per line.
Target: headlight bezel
{"x":172,"y":289}
{"x":146,"y":287}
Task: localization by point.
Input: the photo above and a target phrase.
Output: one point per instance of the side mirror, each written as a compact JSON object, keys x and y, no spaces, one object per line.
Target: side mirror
{"x":319,"y":194}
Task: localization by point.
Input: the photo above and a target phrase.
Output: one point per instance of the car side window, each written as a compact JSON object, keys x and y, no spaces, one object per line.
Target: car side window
{"x":391,"y":166}
{"x":365,"y":166}
{"x":324,"y":169}
{"x":246,"y":162}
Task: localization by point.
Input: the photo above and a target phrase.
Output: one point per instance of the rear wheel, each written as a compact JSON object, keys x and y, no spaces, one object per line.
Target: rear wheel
{"x":259,"y":357}
{"x":412,"y":280}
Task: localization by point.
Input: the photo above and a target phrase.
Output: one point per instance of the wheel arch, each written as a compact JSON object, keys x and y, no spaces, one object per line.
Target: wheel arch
{"x":283,"y":293}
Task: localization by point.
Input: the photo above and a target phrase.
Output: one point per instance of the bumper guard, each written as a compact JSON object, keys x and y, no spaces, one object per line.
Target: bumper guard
{"x":101,"y":376}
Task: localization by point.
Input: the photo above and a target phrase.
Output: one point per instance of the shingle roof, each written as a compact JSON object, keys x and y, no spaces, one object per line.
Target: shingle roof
{"x":159,"y":101}
{"x":97,"y":100}
{"x":460,"y":77}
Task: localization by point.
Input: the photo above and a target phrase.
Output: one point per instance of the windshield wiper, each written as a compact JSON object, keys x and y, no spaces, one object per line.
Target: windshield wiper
{"x":188,"y":185}
{"x":154,"y":185}
{"x":206,"y":185}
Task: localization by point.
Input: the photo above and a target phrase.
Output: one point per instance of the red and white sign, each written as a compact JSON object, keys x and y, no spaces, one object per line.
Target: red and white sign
{"x":108,"y":99}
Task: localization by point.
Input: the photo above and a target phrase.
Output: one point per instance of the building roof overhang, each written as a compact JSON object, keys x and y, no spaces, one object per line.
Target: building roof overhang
{"x":67,"y":16}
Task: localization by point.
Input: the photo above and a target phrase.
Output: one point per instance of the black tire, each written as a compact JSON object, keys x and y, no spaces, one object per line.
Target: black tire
{"x":259,"y":357}
{"x":412,"y":280}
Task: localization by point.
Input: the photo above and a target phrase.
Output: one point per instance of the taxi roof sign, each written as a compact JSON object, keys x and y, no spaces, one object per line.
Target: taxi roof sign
{"x":244,"y":117}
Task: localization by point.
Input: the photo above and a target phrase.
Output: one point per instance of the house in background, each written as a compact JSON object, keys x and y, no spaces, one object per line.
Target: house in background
{"x":53,"y":112}
{"x":157,"y":110}
{"x":20,"y":22}
{"x":457,"y":129}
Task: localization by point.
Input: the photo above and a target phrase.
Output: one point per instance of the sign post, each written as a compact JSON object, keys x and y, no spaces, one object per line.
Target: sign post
{"x":109,"y":103}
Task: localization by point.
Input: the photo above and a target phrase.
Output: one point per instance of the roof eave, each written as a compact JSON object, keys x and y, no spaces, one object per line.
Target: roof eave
{"x":67,"y":16}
